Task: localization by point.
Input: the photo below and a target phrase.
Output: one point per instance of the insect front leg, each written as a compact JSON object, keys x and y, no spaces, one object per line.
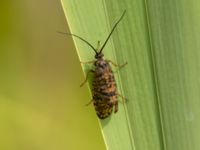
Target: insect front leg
{"x":88,"y":62}
{"x":117,"y":65}
{"x":90,"y":71}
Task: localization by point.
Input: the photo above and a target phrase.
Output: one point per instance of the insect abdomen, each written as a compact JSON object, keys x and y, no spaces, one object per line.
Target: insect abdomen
{"x":104,"y":89}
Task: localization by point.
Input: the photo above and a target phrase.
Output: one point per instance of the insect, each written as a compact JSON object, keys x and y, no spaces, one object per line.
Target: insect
{"x":104,"y":88}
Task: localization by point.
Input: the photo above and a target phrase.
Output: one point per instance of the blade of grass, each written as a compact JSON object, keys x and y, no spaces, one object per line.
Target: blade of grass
{"x":93,"y":20}
{"x":118,"y":123}
{"x":174,"y":27}
{"x":158,"y":114}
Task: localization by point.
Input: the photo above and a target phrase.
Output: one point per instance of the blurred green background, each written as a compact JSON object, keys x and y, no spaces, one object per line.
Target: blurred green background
{"x":42,"y":106}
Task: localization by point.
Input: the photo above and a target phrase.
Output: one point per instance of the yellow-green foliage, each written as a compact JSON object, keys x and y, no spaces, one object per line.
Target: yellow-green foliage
{"x":160,"y":41}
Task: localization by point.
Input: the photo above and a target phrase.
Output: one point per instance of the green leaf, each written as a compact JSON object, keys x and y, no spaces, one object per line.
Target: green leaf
{"x":159,"y":41}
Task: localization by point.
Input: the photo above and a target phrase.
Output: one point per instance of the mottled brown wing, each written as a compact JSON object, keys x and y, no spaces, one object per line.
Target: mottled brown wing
{"x":104,"y":90}
{"x":103,"y":109}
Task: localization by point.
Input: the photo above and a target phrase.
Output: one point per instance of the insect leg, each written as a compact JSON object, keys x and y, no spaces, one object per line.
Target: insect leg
{"x":117,"y":65}
{"x":116,"y":106}
{"x":86,"y":77}
{"x":89,"y":103}
{"x":123,"y":98}
{"x":88,"y":62}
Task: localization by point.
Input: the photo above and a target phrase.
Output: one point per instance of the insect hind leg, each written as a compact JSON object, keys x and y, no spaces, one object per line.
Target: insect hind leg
{"x":122,"y":97}
{"x":116,"y":107}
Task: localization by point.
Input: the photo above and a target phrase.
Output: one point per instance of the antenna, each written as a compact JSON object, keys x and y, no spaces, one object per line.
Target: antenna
{"x":112,"y":31}
{"x":82,"y":39}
